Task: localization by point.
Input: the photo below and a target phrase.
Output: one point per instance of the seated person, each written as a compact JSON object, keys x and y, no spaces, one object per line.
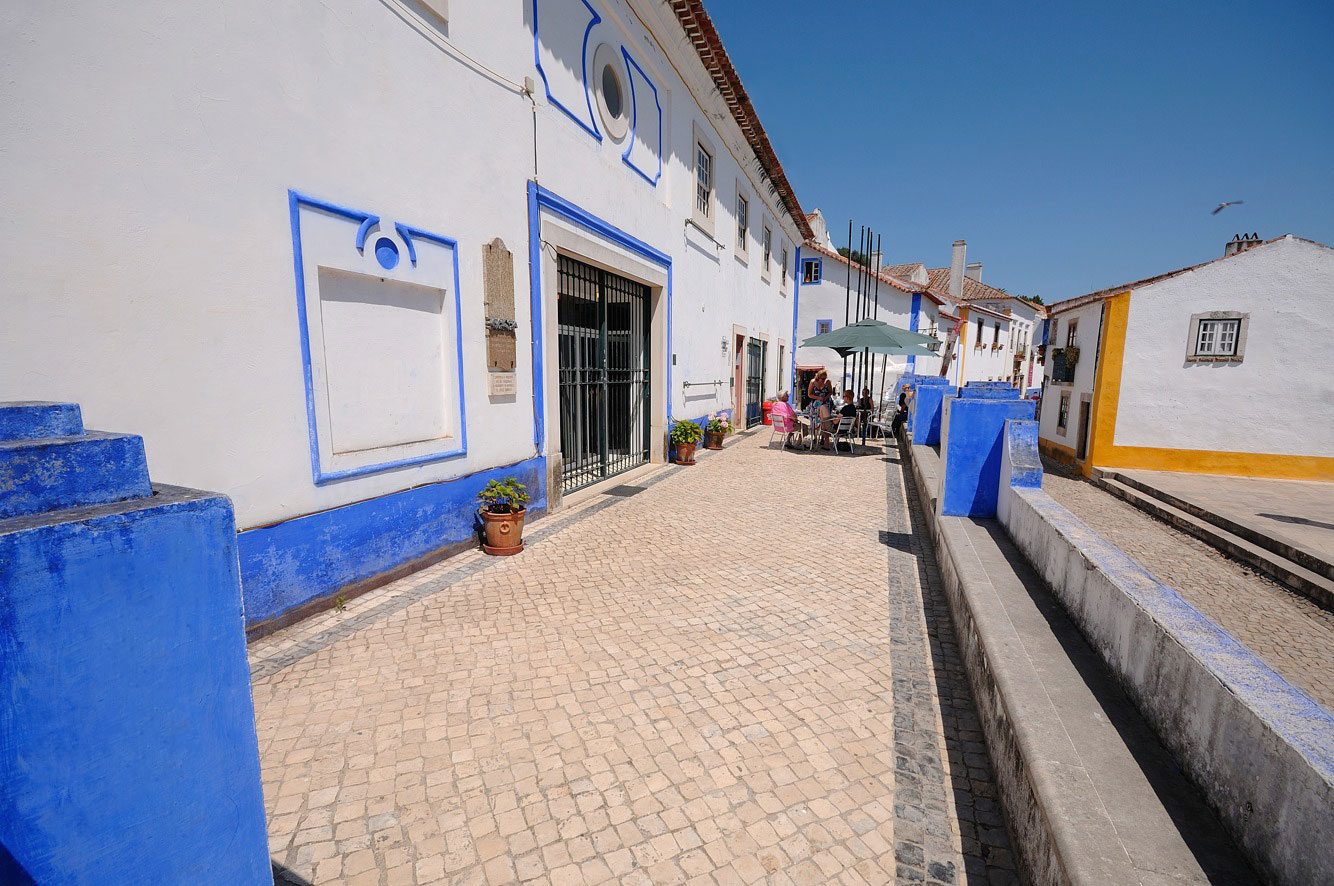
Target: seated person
{"x":849,"y":410}
{"x":901,"y":414}
{"x":782,"y":411}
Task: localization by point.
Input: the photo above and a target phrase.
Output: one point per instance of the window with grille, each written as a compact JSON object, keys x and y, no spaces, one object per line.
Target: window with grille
{"x":1063,"y":415}
{"x":703,"y":179}
{"x":823,"y":326}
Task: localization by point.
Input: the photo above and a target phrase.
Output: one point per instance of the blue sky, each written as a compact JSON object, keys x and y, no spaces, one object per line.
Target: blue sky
{"x":1074,"y":147}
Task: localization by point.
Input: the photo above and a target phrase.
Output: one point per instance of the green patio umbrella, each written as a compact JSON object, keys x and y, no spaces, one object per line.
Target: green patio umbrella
{"x":873,"y":336}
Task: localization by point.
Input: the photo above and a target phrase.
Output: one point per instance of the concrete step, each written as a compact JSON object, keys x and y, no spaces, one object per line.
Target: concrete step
{"x":54,"y":473}
{"x":39,"y":419}
{"x":1090,"y":793}
{"x":1264,"y":559}
{"x":1305,"y":559}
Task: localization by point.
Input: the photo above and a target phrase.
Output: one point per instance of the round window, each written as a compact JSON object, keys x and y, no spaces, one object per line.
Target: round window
{"x":613,"y":92}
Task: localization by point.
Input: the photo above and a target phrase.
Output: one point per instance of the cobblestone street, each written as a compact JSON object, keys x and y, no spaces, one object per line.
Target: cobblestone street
{"x":1291,"y":633}
{"x":743,"y":673}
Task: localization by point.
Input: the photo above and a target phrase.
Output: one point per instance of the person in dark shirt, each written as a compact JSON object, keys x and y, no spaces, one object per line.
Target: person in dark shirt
{"x":901,"y":414}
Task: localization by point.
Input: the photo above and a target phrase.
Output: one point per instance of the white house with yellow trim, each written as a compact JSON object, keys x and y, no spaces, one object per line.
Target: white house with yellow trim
{"x":1218,"y":368}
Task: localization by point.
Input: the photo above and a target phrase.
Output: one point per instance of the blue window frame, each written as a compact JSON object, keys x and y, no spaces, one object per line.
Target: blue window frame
{"x":823,"y":326}
{"x":812,"y":271}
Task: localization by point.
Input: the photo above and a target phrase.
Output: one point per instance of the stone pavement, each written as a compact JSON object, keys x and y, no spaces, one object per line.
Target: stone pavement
{"x":744,"y":673}
{"x":1289,"y":632}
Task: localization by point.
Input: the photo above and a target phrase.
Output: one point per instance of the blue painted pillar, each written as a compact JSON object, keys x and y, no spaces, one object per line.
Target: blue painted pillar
{"x":971,"y":444}
{"x":127,"y":735}
{"x":927,"y":405}
{"x":914,"y":320}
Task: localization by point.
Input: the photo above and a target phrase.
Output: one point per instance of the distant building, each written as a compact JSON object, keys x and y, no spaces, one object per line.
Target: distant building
{"x":1221,"y":368}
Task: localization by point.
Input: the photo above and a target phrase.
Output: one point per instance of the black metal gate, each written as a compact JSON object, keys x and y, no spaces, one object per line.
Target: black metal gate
{"x":755,"y":353}
{"x":604,"y":383}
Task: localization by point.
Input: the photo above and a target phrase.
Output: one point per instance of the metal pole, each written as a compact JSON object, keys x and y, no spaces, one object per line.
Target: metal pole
{"x":847,"y":294}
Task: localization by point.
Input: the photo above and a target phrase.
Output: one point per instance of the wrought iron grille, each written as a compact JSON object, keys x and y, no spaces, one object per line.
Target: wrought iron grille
{"x":754,"y":380}
{"x":604,"y":378}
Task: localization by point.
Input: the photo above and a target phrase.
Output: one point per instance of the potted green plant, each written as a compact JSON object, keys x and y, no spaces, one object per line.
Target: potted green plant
{"x":685,"y":437}
{"x":719,"y":426}
{"x":504,"y":505}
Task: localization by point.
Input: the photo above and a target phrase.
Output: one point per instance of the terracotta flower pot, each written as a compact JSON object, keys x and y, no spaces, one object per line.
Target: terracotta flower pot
{"x":713,"y":439}
{"x":685,"y":453}
{"x":504,"y":533}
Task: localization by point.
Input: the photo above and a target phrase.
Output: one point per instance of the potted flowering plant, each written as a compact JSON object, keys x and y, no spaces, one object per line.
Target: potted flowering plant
{"x":504,"y":505}
{"x":685,"y":437}
{"x":718,"y":427}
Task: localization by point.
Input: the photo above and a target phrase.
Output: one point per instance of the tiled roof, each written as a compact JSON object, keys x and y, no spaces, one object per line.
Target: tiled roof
{"x":975,"y":290}
{"x":904,"y":270}
{"x":1081,"y":300}
{"x":702,"y":34}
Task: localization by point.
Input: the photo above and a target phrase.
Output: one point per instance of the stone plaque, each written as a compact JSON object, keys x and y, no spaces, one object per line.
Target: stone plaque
{"x":502,"y":384}
{"x":498,"y":283}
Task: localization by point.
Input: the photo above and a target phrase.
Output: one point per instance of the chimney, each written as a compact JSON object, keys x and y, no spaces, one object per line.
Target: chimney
{"x":974,"y":270}
{"x":876,"y":260}
{"x":957,"y":270}
{"x":1240,"y":243}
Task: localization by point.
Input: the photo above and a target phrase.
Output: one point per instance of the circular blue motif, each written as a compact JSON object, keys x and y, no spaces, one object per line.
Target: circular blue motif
{"x":386,"y":253}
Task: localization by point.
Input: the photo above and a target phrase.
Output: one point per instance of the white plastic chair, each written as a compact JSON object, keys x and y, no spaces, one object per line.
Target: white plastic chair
{"x":844,"y":430}
{"x":785,"y":425}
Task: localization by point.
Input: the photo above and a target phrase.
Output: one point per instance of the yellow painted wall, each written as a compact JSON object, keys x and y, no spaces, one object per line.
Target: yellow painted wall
{"x":1104,"y":453}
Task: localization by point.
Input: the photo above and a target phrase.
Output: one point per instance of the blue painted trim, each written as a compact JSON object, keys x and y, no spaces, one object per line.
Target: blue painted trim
{"x":914,"y":323}
{"x":546,"y":84}
{"x":540,"y":198}
{"x":801,"y":266}
{"x":634,"y":119}
{"x":792,"y":349}
{"x":365,"y":228}
{"x":828,"y":320}
{"x":405,"y":234}
{"x":316,"y":555}
{"x":318,"y":475}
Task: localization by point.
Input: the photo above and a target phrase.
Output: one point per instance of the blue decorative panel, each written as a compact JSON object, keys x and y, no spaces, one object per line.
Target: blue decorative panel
{"x":928,"y":403}
{"x":387,"y":248}
{"x":561,"y":30}
{"x":643,"y":152}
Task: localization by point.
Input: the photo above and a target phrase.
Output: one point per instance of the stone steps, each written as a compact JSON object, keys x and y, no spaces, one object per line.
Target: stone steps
{"x":1091,"y":793}
{"x":48,"y":461}
{"x":1281,"y":562}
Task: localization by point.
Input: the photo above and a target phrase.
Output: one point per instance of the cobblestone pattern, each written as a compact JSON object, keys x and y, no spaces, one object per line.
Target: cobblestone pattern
{"x":944,"y":814}
{"x":1290,"y":633}
{"x":669,"y":688}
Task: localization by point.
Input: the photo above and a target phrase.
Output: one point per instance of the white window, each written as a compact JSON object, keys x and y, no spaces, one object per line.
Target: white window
{"x":823,"y":326}
{"x":1218,"y":335}
{"x":742,"y":222}
{"x":811,"y":270}
{"x":703,"y":180}
{"x":1072,"y":334}
{"x":1217,"y":338}
{"x":767,"y":241}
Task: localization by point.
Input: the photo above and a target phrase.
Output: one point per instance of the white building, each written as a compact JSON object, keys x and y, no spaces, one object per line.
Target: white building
{"x":347,"y":260}
{"x":1216,"y":368}
{"x":836,"y":292}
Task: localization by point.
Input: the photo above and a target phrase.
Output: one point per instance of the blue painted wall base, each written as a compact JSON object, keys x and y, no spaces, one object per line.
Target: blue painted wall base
{"x":127,"y":734}
{"x":927,"y":407}
{"x":306,"y":558}
{"x":971,"y":444}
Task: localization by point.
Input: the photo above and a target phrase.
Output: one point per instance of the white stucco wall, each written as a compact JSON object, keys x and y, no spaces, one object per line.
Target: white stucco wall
{"x":1278,"y":399}
{"x":1089,"y":317}
{"x":829,"y":301}
{"x":149,"y":150}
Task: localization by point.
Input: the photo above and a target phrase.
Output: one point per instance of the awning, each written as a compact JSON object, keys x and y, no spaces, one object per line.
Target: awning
{"x":811,"y":366}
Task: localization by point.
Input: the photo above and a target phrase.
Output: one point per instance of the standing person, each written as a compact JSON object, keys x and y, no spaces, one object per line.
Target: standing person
{"x":901,"y":414}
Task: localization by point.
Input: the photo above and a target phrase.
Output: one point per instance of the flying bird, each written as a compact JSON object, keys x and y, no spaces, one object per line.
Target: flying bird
{"x":1222,"y":206}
